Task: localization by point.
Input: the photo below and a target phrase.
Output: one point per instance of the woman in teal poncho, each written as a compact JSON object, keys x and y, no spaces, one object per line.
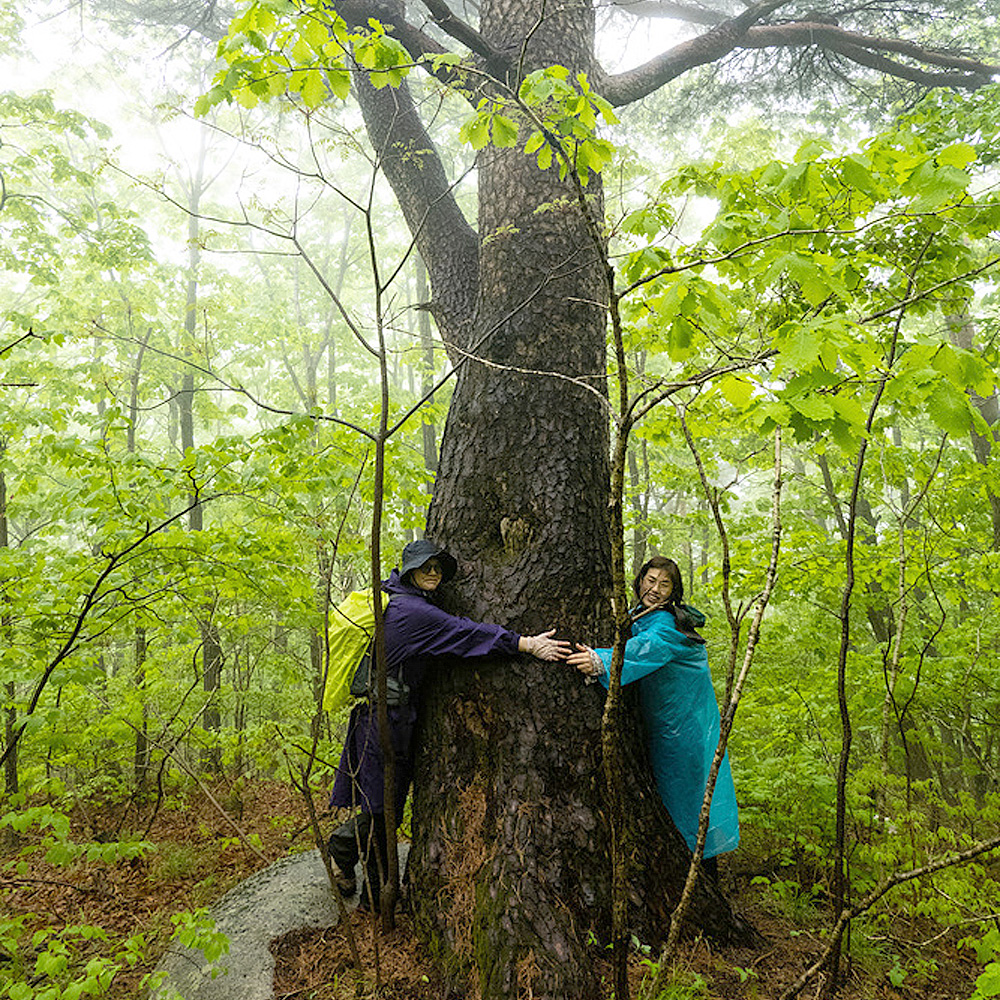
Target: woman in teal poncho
{"x":666,"y":657}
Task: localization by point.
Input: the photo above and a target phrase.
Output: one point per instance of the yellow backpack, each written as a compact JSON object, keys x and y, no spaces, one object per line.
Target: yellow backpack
{"x":352,"y":626}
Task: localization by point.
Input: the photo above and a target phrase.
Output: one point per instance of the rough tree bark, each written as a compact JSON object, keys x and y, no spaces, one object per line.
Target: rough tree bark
{"x":509,"y":867}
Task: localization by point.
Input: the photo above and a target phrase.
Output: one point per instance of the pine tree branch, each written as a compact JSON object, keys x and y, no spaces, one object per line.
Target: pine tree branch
{"x":834,"y":37}
{"x":624,"y":88}
{"x":448,"y":244}
{"x":961,"y":71}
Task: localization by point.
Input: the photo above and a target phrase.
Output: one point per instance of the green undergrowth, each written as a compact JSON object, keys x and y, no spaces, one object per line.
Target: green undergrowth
{"x":129,"y":897}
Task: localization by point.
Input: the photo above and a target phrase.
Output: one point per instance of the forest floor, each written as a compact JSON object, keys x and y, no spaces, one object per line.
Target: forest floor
{"x":199,"y":856}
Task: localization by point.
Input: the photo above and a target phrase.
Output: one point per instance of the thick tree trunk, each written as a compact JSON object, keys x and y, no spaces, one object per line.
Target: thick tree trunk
{"x":509,"y":870}
{"x":508,"y":780}
{"x":509,"y":867}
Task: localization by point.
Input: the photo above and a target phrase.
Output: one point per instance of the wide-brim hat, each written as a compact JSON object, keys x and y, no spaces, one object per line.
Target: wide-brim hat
{"x":415,"y":554}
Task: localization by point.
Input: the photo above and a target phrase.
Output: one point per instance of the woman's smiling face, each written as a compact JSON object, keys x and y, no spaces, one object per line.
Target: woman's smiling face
{"x":428,"y":576}
{"x":654,"y":587}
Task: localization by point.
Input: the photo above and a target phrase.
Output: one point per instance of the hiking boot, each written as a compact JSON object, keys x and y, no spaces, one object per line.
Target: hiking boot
{"x":365,"y":903}
{"x":346,"y":882}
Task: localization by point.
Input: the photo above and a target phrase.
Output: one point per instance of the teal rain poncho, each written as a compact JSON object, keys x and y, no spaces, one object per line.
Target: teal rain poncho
{"x":681,"y":717}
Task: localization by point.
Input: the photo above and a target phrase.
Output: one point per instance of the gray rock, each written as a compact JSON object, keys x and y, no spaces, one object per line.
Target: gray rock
{"x":290,"y":895}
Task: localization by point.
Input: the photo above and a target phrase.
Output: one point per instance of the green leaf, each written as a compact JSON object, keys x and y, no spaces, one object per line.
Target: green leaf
{"x":313,"y":89}
{"x":813,"y":280}
{"x":988,"y":983}
{"x":948,"y":407}
{"x":850,"y":411}
{"x":535,"y":141}
{"x":797,"y":344}
{"x":736,"y":390}
{"x":932,"y":186}
{"x":60,"y":853}
{"x":682,"y":334}
{"x":504,"y":132}
{"x":246,"y":98}
{"x":478,"y":134}
{"x":768,"y":415}
{"x":817,"y":408}
{"x":856,"y":173}
{"x":897,"y":975}
{"x":959,"y":154}
{"x":339,"y":81}
{"x":813,"y":149}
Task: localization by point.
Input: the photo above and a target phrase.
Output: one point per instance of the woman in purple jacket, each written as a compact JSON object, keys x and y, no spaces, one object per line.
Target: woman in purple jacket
{"x":417,"y":632}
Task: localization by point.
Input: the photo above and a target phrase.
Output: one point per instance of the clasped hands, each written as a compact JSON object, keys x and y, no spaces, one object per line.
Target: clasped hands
{"x":544,"y":646}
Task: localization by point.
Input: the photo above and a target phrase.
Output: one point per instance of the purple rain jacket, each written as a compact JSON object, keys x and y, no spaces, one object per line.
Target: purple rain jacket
{"x":417,"y":632}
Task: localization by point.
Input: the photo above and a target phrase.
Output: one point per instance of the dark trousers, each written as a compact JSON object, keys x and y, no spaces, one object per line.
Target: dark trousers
{"x":362,"y":837}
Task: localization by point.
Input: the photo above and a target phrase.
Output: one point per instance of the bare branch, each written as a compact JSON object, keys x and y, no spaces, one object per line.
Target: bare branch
{"x":445,"y":19}
{"x":241,"y":390}
{"x":7,"y":348}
